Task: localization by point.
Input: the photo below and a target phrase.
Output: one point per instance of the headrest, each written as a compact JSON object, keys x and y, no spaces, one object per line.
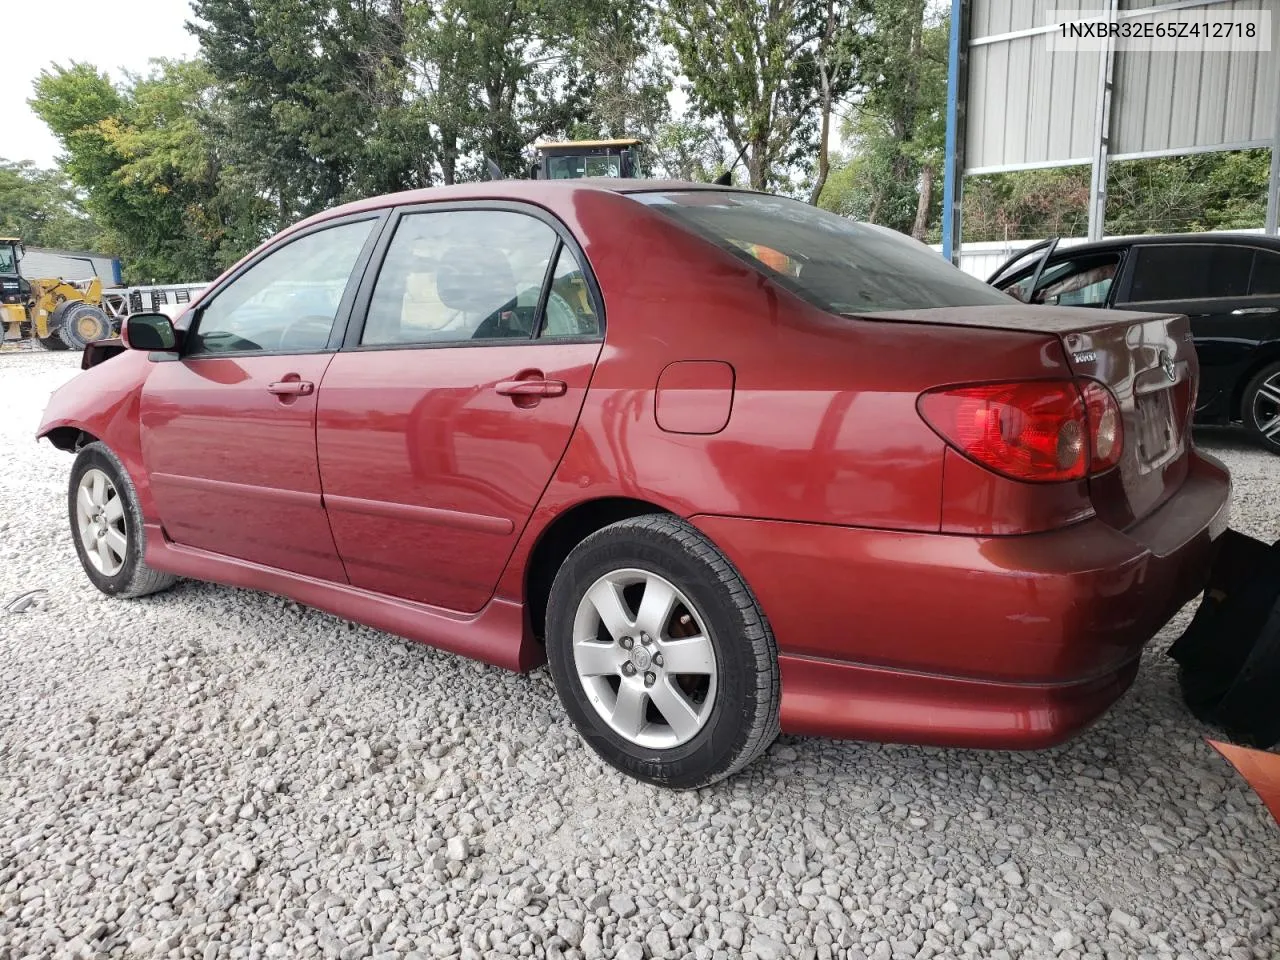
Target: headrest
{"x":474,"y":279}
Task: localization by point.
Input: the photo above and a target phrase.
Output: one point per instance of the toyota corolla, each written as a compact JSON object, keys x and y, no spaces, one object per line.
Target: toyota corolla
{"x":729,"y":463}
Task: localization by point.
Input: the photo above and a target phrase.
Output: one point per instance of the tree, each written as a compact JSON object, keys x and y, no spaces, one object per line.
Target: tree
{"x":753,"y":68}
{"x":314,"y":98}
{"x":898,"y":127}
{"x":140,"y":155}
{"x":44,"y":209}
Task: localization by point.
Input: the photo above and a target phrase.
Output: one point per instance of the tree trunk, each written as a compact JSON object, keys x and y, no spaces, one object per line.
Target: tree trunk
{"x":755,"y":166}
{"x":448,"y":159}
{"x":824,"y":139}
{"x":920,"y":228}
{"x":824,"y":136}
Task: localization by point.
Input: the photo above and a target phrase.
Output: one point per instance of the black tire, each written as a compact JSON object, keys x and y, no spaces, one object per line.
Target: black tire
{"x":51,"y":342}
{"x":1257,"y":407}
{"x":135,"y":578}
{"x":743,"y":717}
{"x":79,"y":324}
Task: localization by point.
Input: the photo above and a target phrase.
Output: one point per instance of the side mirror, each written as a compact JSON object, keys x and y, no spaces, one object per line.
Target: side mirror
{"x":149,"y":331}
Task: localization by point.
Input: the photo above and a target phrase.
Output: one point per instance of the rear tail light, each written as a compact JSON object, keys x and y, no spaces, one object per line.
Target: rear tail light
{"x":1044,"y":431}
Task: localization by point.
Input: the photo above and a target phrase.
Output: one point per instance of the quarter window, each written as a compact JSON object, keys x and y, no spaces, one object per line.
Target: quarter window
{"x":1190,"y":271}
{"x":569,"y":312}
{"x":287,"y":301}
{"x":459,"y":275}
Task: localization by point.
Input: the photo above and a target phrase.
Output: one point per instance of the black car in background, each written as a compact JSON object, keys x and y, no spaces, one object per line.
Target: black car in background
{"x":1228,"y":284}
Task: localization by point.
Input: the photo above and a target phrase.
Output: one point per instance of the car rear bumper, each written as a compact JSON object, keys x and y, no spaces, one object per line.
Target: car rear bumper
{"x":1006,"y":642}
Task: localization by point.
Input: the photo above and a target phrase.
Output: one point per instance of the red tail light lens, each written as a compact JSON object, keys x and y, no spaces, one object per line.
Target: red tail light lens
{"x":1044,"y":431}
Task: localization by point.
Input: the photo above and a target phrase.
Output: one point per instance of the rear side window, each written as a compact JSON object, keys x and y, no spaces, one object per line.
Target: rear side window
{"x":1190,"y":271}
{"x":1266,"y":273}
{"x":454,"y":275}
{"x":837,"y":264}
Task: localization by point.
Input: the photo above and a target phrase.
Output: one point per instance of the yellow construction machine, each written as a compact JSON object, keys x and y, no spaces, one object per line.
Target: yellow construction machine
{"x":59,"y":313}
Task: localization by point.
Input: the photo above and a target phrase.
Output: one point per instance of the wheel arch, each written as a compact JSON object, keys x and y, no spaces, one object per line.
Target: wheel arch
{"x":561,"y":535}
{"x":1267,"y":356}
{"x":69,"y":438}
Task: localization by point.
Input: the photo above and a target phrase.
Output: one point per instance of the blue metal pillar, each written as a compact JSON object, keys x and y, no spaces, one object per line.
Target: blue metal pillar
{"x":957,"y":96}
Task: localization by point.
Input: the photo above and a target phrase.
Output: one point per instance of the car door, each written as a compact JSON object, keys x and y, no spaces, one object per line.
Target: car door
{"x":1210,"y":283}
{"x":443,"y":418}
{"x":228,"y":426}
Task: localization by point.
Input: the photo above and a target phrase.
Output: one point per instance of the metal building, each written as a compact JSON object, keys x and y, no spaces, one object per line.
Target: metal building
{"x":1018,"y":103}
{"x":70,"y":265}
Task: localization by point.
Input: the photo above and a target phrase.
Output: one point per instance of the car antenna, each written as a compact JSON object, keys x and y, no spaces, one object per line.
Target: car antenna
{"x":726,"y":179}
{"x":495,"y":171}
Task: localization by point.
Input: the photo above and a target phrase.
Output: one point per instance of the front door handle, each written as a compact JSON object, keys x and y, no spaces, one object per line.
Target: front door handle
{"x":291,"y":388}
{"x":532,"y":388}
{"x":1253,"y":311}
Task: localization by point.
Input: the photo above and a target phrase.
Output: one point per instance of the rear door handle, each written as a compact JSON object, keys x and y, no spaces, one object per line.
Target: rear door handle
{"x":532,"y":388}
{"x":1252,"y":311}
{"x":291,"y":388}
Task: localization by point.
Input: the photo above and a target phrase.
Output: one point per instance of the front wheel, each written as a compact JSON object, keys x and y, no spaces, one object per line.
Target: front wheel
{"x":1262,"y":407}
{"x":661,"y":655}
{"x":106,"y":525}
{"x":80,"y":324}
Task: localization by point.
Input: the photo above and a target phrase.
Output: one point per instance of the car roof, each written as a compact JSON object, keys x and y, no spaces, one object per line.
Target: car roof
{"x":532,"y":191}
{"x":1115,"y":243}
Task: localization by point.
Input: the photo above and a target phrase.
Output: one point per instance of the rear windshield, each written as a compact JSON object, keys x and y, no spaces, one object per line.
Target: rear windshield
{"x":837,"y":264}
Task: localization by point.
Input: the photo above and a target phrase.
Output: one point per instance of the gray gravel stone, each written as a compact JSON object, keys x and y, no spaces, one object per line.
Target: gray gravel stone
{"x":219,"y":774}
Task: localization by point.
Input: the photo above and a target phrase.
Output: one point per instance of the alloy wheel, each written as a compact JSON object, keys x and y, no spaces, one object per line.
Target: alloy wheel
{"x":645,"y":659}
{"x":101,"y":522}
{"x":1266,"y":408}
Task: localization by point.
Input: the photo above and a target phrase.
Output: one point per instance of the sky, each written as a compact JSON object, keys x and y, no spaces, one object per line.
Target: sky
{"x":116,"y":36}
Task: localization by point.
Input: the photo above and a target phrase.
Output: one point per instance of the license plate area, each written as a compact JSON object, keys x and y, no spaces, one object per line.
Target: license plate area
{"x":1157,"y":429}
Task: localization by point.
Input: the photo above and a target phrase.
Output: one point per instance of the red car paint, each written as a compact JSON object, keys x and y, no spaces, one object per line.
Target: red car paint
{"x":915,"y":595}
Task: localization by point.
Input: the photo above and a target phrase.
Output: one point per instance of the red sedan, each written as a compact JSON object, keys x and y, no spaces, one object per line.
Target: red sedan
{"x":729,"y":463}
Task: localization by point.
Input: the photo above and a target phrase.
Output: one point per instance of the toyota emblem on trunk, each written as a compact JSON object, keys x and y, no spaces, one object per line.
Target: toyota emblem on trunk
{"x":1170,"y":369}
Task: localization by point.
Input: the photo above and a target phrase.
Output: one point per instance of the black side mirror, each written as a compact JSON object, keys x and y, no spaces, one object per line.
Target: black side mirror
{"x":149,"y":331}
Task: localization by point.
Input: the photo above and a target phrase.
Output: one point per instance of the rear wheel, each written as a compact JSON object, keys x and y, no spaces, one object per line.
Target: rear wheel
{"x":660,"y":654}
{"x":79,"y":324}
{"x":1262,"y":407}
{"x":106,"y":525}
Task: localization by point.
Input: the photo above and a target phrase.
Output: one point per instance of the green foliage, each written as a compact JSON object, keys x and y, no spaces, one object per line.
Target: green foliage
{"x":753,"y":69}
{"x":893,"y":173}
{"x":44,"y":209}
{"x":1207,"y":191}
{"x":141,"y":156}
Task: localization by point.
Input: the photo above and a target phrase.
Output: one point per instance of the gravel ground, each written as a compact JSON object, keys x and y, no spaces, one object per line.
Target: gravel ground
{"x":219,"y":773}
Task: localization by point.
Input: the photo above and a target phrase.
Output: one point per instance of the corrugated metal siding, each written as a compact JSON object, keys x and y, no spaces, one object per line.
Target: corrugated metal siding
{"x":1167,"y":101}
{"x":1028,"y":106}
{"x":37,"y":262}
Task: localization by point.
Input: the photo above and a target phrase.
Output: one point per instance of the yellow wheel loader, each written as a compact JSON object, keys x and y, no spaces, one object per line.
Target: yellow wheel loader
{"x":59,"y":314}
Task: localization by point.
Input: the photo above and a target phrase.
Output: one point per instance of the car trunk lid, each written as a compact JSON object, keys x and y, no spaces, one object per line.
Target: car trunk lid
{"x":1146,"y":359}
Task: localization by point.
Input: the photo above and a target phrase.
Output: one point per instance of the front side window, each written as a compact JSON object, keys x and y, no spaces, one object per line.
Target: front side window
{"x":839,"y":265}
{"x":460,"y":275}
{"x":1190,"y":271}
{"x":1084,"y":282}
{"x":286,"y":302}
